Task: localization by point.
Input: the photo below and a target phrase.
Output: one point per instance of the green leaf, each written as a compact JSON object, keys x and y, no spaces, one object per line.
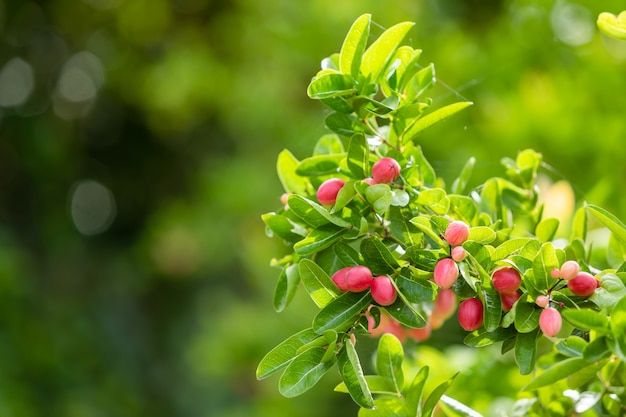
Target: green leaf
{"x":304,"y":372}
{"x":526,"y":317}
{"x":352,"y":375}
{"x":481,"y":337}
{"x":317,"y":282}
{"x":354,"y":45}
{"x":286,"y":167}
{"x":341,"y":313}
{"x":282,"y":226}
{"x":509,"y":247}
{"x":425,"y":174}
{"x":454,"y":408}
{"x":389,"y":359}
{"x":435,"y":396}
{"x":556,"y":372}
{"x":618,"y":327}
{"x":573,"y":346}
{"x":377,"y":256}
{"x":286,"y":287}
{"x":379,"y":53}
{"x":545,"y":261}
{"x":546,"y":229}
{"x":493,"y":309}
{"x":416,"y":391}
{"x":579,"y":224}
{"x":611,"y":222}
{"x":281,"y":355}
{"x":404,"y":312}
{"x":376,"y":383}
{"x":482,"y":234}
{"x":331,"y":85}
{"x":345,"y":124}
{"x":526,"y":351}
{"x":435,"y":199}
{"x":358,"y":156}
{"x":386,"y":406}
{"x":612,"y":25}
{"x":417,"y":291}
{"x":432,"y":118}
{"x":328,"y":144}
{"x":460,"y":183}
{"x":320,"y":165}
{"x":319,"y":239}
{"x":596,"y":350}
{"x":312,"y":213}
{"x":380,"y":197}
{"x":587,"y":319}
{"x":346,"y":254}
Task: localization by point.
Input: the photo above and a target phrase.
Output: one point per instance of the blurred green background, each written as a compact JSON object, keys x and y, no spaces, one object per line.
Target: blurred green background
{"x":138,"y":142}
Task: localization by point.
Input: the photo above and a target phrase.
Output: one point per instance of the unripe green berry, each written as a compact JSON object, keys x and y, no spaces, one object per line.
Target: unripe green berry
{"x":569,"y":270}
{"x":470,"y":314}
{"x":383,"y":291}
{"x":446,"y":273}
{"x":385,"y":170}
{"x":550,"y":321}
{"x":456,"y":233}
{"x":506,"y":280}
{"x":328,"y":190}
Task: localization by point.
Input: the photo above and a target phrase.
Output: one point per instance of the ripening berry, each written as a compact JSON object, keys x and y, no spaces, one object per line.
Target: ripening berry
{"x":446,"y":273}
{"x":369,"y":181}
{"x":353,"y":278}
{"x":383,"y":291}
{"x":456,"y":233}
{"x":506,"y":280}
{"x":385,"y":170}
{"x":458,"y":253}
{"x":419,"y":334}
{"x":328,"y":190}
{"x":555,"y":273}
{"x":387,"y":325}
{"x":470,"y":314}
{"x":542,"y":301}
{"x":508,"y":299}
{"x":583,"y":284}
{"x":445,"y":303}
{"x":550,"y":321}
{"x":569,"y":270}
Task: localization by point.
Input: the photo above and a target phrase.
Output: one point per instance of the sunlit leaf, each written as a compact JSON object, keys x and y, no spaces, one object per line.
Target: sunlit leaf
{"x":320,"y":165}
{"x":286,"y":287}
{"x":331,"y":85}
{"x":377,"y":56}
{"x":281,"y":355}
{"x":460,"y":183}
{"x":352,"y":375}
{"x":612,"y":25}
{"x":319,"y":239}
{"x":389,"y":359}
{"x":609,"y":220}
{"x":354,"y":45}
{"x":358,"y":156}
{"x":546,"y":229}
{"x":416,"y":391}
{"x":312,"y":213}
{"x":304,"y":372}
{"x":342,"y":312}
{"x":587,"y":319}
{"x":377,"y":256}
{"x":432,"y":118}
{"x":317,"y":282}
{"x":556,"y":372}
{"x":286,"y":166}
{"x":526,"y":351}
{"x":435,"y":396}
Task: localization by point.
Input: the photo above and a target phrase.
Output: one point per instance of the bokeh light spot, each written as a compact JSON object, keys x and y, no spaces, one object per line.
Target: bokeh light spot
{"x":16,"y":83}
{"x":573,"y":24}
{"x":92,"y":207}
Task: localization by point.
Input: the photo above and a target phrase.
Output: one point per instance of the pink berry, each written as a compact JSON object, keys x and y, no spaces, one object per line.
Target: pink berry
{"x":456,"y":233}
{"x":385,"y":170}
{"x":506,"y":280}
{"x":419,"y":334}
{"x":550,"y":321}
{"x":470,"y":314}
{"x":328,"y":190}
{"x":446,"y":273}
{"x":542,"y":301}
{"x":569,"y":270}
{"x":583,"y":284}
{"x":353,"y":278}
{"x":555,"y":273}
{"x":508,"y":299}
{"x":383,"y":291}
{"x":458,"y":253}
{"x":445,"y":303}
{"x":369,"y":181}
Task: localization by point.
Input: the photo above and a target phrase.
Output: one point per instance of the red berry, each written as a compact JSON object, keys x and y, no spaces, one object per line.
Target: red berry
{"x":550,"y":321}
{"x":387,"y":325}
{"x":328,"y":190}
{"x":385,"y":170}
{"x":506,"y":280}
{"x":445,"y":304}
{"x":419,"y":334}
{"x":458,"y":253}
{"x":555,"y":273}
{"x":383,"y":291}
{"x":569,"y":270}
{"x":446,"y":273}
{"x":508,"y":299}
{"x":470,"y":314}
{"x":353,"y":278}
{"x":583,"y":284}
{"x":542,"y":301}
{"x":456,"y":233}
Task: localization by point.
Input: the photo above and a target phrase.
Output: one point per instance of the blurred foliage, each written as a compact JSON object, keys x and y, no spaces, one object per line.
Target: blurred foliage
{"x":137,"y":149}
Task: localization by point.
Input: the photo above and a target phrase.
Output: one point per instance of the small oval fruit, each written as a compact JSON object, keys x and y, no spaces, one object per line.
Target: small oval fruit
{"x":542,"y":301}
{"x":385,"y":170}
{"x":456,"y":233}
{"x":550,"y":321}
{"x":569,"y":270}
{"x":470,"y":314}
{"x":420,"y":334}
{"x":506,"y":280}
{"x":446,"y":273}
{"x":445,"y":303}
{"x":383,"y":291}
{"x":328,"y":190}
{"x":353,"y":278}
{"x":583,"y":284}
{"x":508,"y":299}
{"x":458,"y":253}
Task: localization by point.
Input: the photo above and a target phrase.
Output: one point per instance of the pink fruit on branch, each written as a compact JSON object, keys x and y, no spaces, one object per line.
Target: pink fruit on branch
{"x":446,"y":273}
{"x":353,"y":278}
{"x":385,"y":170}
{"x":583,"y":284}
{"x":550,"y":321}
{"x":470,"y":314}
{"x":569,"y":270}
{"x":456,"y":233}
{"x":328,"y":190}
{"x":508,"y":299}
{"x":383,"y":291}
{"x":506,"y":280}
